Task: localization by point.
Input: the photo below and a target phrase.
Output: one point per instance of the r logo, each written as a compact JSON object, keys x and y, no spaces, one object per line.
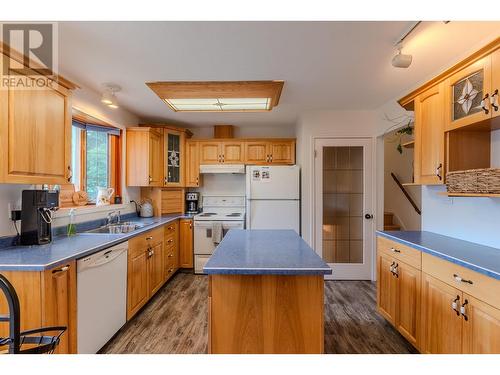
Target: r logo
{"x":35,"y":41}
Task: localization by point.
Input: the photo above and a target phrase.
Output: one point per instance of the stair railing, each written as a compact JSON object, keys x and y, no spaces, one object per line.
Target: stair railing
{"x":410,"y":199}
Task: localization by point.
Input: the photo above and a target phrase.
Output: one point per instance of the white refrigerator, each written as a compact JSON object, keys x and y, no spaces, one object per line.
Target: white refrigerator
{"x":273,"y":197}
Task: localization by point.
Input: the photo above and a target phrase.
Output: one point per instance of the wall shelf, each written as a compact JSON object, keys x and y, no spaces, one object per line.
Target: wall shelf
{"x":410,"y":144}
{"x":458,"y":195}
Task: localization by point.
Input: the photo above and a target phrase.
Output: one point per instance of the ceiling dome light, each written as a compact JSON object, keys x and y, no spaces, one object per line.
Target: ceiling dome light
{"x":108,"y":96}
{"x":401,"y":60}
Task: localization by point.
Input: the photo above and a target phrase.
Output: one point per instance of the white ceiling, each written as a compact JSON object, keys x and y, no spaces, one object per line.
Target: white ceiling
{"x":325,"y":65}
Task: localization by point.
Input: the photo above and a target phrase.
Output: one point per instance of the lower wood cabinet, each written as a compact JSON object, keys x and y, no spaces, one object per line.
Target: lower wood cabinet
{"x":186,"y":243}
{"x":47,"y":298}
{"x":441,"y":309}
{"x":145,"y":269}
{"x":398,"y":296}
{"x":442,"y":323}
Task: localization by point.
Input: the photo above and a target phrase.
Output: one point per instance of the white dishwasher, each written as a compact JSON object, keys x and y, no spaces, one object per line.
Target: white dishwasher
{"x":102,"y":297}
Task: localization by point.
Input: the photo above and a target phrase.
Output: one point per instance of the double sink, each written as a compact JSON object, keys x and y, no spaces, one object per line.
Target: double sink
{"x":119,"y":228}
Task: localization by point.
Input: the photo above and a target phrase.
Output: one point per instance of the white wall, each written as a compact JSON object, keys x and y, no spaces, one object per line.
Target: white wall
{"x":87,"y":101}
{"x":470,"y":219}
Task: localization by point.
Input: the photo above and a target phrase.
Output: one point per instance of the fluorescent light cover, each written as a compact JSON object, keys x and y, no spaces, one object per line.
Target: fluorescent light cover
{"x":220,"y":104}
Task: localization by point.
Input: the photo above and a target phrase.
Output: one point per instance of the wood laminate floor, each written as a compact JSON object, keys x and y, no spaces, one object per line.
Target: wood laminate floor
{"x":175,"y":321}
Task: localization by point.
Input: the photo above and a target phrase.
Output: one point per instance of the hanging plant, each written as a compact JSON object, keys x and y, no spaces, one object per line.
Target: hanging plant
{"x":407,"y":130}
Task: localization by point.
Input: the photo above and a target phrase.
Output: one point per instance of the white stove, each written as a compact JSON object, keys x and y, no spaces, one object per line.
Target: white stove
{"x":220,"y":213}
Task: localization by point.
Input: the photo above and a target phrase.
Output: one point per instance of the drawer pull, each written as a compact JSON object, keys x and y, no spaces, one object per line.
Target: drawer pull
{"x":170,"y":241}
{"x":149,"y":238}
{"x":459,"y":279}
{"x":395,"y":250}
{"x":454,"y":305}
{"x":62,"y":269}
{"x":463,"y":310}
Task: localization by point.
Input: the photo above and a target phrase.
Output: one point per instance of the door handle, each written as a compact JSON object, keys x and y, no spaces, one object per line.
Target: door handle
{"x":463,"y":310}
{"x":69,"y":174}
{"x":438,"y":169}
{"x":454,"y":305}
{"x":368,"y":216}
{"x":494,"y":100}
{"x":483,"y":104}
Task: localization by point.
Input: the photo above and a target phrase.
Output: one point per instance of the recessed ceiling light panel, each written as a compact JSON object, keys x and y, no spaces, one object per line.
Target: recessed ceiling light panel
{"x":233,"y":96}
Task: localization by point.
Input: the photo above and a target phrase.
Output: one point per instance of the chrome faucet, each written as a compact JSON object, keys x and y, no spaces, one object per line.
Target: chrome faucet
{"x":114,"y":214}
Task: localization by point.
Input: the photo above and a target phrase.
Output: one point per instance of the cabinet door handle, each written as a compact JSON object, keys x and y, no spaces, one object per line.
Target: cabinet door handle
{"x":454,"y":305}
{"x":149,"y":238}
{"x":461,"y":280}
{"x":463,"y":310}
{"x":396,"y":273}
{"x":394,"y":250}
{"x":170,"y":241}
{"x":150,"y":179}
{"x":438,"y":171}
{"x":494,"y":100}
{"x":267,"y":158}
{"x":69,"y":174}
{"x":62,"y":269}
{"x":170,"y":255}
{"x":222,"y":158}
{"x":483,"y":103}
{"x":271,"y":158}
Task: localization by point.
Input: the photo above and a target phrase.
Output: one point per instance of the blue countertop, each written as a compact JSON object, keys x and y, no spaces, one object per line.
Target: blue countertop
{"x":265,"y":252}
{"x":479,"y":258}
{"x":64,"y":248}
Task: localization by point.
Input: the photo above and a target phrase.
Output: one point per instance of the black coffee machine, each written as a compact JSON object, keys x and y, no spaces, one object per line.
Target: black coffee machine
{"x":192,"y":203}
{"x":36,"y":216}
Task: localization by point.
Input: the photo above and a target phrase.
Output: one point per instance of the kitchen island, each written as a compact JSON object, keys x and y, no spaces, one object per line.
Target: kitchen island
{"x":265,"y":294}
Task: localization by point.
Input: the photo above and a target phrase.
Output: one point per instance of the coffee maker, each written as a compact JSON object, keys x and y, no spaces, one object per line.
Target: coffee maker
{"x":36,"y":216}
{"x":192,"y":203}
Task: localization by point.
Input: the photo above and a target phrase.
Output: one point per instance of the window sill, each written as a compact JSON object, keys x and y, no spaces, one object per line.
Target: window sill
{"x":92,"y":209}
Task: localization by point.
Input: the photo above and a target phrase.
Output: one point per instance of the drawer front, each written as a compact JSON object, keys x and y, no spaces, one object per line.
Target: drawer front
{"x":144,"y":240}
{"x":172,"y":228}
{"x":403,"y":253}
{"x":171,"y":241}
{"x":473,"y":283}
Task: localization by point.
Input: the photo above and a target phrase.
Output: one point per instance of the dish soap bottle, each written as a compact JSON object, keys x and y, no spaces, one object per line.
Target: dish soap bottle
{"x":71,"y":230}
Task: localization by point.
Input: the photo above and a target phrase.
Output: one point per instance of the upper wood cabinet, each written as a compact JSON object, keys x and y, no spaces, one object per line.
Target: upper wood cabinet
{"x":35,"y":135}
{"x":429,"y":136}
{"x":282,"y":152}
{"x":270,"y":152}
{"x":222,"y":152}
{"x":144,"y":157}
{"x":192,"y":164}
{"x":232,"y":152}
{"x":257,"y":152}
{"x":210,"y":152}
{"x":495,"y":83}
{"x":468,"y":94}
{"x":175,"y":164}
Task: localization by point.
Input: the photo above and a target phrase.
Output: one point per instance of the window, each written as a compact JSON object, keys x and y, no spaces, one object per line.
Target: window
{"x":95,"y":157}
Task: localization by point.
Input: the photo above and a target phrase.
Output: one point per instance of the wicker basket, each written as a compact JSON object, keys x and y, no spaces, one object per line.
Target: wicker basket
{"x":480,"y":181}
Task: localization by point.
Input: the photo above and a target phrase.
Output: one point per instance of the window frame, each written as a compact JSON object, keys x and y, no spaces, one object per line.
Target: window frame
{"x":114,"y":157}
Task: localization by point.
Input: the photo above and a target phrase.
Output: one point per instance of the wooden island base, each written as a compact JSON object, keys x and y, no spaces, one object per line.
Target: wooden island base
{"x":265,"y":314}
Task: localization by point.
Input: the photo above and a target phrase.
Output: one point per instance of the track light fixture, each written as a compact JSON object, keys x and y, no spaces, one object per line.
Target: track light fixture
{"x":401,"y":60}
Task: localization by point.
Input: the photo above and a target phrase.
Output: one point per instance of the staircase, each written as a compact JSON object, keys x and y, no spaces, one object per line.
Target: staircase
{"x":389,"y":222}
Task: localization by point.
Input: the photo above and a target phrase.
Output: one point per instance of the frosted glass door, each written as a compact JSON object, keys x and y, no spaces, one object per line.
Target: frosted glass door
{"x":343,"y":190}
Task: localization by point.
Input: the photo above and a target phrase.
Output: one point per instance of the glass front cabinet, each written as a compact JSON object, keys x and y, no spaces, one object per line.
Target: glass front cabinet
{"x":469,"y":94}
{"x":174,"y":157}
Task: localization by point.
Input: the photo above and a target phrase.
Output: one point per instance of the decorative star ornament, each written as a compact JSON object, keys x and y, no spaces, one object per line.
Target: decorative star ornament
{"x":468,"y":95}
